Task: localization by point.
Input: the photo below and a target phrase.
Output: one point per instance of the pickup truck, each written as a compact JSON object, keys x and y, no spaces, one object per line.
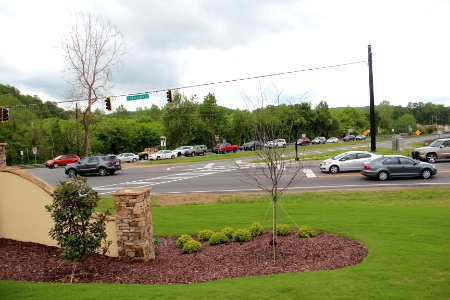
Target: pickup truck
{"x":224,"y":148}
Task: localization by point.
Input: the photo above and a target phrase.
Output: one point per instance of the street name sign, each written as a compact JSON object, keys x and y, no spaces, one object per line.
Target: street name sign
{"x":138,"y":97}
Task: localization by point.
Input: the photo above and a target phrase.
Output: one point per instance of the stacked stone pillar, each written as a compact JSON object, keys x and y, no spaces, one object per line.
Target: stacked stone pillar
{"x":134,"y":224}
{"x":3,"y":154}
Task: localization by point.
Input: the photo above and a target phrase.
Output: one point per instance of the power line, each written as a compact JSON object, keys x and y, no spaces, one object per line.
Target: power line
{"x":202,"y":84}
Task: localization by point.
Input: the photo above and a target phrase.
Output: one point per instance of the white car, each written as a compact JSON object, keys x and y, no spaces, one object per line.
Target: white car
{"x":347,"y":161}
{"x":278,"y":143}
{"x":128,"y":157}
{"x":163,"y":154}
{"x":182,"y":150}
{"x":333,"y":140}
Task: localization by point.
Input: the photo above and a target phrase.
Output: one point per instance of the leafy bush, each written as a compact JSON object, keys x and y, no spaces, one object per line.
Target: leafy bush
{"x":218,"y":238}
{"x":78,"y":234}
{"x":256,"y":229}
{"x":204,"y":235}
{"x":182,"y":240}
{"x":242,"y":235}
{"x":192,"y":246}
{"x":306,"y":232}
{"x":228,"y":231}
{"x":283,"y":229}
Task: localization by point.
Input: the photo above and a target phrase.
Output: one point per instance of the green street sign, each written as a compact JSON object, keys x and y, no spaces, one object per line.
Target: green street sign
{"x":137,"y":97}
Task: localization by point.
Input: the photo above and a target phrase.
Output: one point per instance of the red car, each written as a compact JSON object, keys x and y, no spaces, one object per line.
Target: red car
{"x":303,"y":142}
{"x":62,"y":160}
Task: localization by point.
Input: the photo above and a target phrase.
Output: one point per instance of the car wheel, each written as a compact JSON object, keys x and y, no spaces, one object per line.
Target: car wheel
{"x":172,"y":157}
{"x":145,"y":156}
{"x":102,"y":172}
{"x":334,"y":169}
{"x":431,"y":158}
{"x":55,"y":165}
{"x":426,"y":173}
{"x":134,"y":160}
{"x":383,"y":175}
{"x":72,"y":173}
{"x":193,"y":154}
{"x":158,"y":158}
{"x":234,"y":150}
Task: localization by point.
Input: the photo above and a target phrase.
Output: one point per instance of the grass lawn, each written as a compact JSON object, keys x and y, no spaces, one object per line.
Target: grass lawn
{"x":405,"y":231}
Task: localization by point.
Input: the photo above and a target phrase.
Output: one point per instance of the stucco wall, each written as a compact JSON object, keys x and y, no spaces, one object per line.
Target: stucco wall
{"x":22,"y":209}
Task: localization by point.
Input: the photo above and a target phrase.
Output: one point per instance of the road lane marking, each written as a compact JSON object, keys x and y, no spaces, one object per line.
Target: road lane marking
{"x":309,"y":173}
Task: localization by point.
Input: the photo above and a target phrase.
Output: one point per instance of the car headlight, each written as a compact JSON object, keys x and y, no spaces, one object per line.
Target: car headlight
{"x":324,"y":163}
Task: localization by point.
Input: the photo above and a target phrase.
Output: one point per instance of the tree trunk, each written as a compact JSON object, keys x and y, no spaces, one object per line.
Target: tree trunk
{"x":274,"y":229}
{"x":87,"y":130}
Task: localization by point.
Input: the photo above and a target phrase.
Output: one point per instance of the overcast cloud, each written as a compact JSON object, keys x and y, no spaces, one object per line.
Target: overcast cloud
{"x":179,"y":43}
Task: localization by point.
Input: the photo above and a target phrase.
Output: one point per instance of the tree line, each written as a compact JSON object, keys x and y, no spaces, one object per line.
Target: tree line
{"x":188,"y":121}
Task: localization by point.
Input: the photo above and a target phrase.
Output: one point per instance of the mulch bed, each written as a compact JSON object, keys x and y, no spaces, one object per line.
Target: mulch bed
{"x":26,"y":261}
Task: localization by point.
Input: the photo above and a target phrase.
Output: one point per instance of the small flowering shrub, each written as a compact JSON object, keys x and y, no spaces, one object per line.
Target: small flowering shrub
{"x":242,"y":235}
{"x":256,"y":229}
{"x":228,"y":231}
{"x":218,"y":238}
{"x":283,"y":229}
{"x":306,"y":232}
{"x":192,"y":246}
{"x":182,"y":240}
{"x":204,"y":235}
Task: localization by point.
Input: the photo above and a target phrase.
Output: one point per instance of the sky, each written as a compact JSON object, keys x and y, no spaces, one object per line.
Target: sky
{"x":173,"y":44}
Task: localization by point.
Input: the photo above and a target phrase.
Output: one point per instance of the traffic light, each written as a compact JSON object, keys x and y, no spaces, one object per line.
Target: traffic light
{"x":169,"y":96}
{"x":108,"y":103}
{"x":4,"y":114}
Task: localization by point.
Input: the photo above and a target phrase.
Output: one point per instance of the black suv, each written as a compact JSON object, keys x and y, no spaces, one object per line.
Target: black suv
{"x":101,"y":165}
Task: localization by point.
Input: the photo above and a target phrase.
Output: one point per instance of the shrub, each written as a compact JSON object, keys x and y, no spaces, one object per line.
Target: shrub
{"x":204,"y":235}
{"x":306,"y":232}
{"x":228,"y":231}
{"x":183,"y":239}
{"x":242,"y":235}
{"x":192,"y":246}
{"x":256,"y":229}
{"x":218,"y":238}
{"x":283,"y":229}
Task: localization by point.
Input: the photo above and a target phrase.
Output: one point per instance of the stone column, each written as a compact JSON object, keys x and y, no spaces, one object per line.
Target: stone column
{"x":134,"y":224}
{"x":3,"y":154}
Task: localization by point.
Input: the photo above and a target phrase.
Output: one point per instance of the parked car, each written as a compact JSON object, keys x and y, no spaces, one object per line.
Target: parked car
{"x":303,"y":142}
{"x":62,"y":160}
{"x":333,"y":140}
{"x":347,"y":161}
{"x":319,"y":140}
{"x":128,"y":157}
{"x":225,"y":147}
{"x":277,"y":143}
{"x":253,"y":145}
{"x":203,"y":148}
{"x":439,"y":149}
{"x":195,"y":150}
{"x":390,"y":166}
{"x":349,"y":138}
{"x":163,"y":154}
{"x":181,"y":150}
{"x":101,"y":165}
{"x":360,"y":137}
{"x":147,"y":151}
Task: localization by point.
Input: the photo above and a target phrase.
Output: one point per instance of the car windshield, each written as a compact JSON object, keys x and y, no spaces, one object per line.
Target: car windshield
{"x":160,"y":152}
{"x":58,"y":157}
{"x":339,"y":156}
{"x":436,"y":143}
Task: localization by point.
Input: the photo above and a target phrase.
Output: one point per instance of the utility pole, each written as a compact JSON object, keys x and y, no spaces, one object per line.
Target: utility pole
{"x":373,"y":146}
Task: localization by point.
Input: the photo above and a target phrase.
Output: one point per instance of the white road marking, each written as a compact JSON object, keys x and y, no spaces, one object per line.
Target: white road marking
{"x":309,"y":173}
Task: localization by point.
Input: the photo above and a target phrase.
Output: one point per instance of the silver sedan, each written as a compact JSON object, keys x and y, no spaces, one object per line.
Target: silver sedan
{"x":347,"y":161}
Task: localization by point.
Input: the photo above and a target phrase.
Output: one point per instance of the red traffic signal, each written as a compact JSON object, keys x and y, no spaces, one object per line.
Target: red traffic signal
{"x":4,"y":113}
{"x":108,"y":103}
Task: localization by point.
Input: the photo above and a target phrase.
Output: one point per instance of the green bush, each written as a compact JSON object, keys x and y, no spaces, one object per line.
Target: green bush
{"x":204,"y":235}
{"x":306,"y":232}
{"x":256,"y":229}
{"x":242,"y":235}
{"x":228,"y":231}
{"x":218,"y":238}
{"x":192,"y":246}
{"x":283,"y":229}
{"x":183,"y":239}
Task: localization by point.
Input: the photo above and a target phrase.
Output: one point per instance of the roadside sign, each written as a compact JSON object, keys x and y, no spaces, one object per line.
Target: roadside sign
{"x":138,"y":97}
{"x":217,"y":137}
{"x":163,"y":141}
{"x":365,"y":132}
{"x":34,"y":150}
{"x":418,"y":132}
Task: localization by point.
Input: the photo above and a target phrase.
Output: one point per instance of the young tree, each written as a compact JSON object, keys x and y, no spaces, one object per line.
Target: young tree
{"x":76,"y":231}
{"x":275,"y":172}
{"x":92,"y":49}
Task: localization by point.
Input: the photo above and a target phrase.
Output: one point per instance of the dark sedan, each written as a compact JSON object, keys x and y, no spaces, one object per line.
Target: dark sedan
{"x":390,"y":166}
